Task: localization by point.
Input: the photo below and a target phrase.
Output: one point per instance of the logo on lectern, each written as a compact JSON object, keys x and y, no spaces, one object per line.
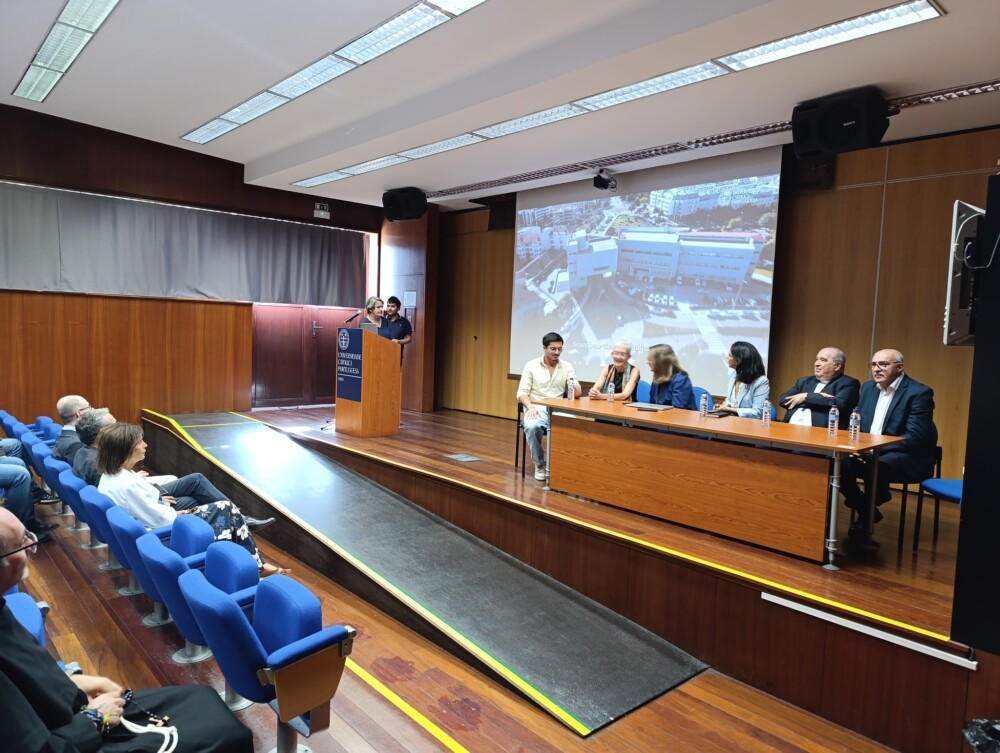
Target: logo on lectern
{"x":344,"y":340}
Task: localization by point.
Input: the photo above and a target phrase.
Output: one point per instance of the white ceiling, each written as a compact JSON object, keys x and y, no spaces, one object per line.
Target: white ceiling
{"x":158,"y":69}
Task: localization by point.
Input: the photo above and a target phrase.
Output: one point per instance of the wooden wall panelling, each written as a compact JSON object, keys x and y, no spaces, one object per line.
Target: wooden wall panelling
{"x":496,"y":396}
{"x":978,"y":150}
{"x":125,"y":353}
{"x":408,"y":257}
{"x":460,"y":306}
{"x":280,"y":355}
{"x":984,"y":688}
{"x":44,"y":150}
{"x":861,"y":167}
{"x":825,"y":291}
{"x":911,"y":298}
{"x":909,"y":701}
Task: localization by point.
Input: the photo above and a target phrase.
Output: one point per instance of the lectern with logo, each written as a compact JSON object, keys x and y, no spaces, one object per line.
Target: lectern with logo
{"x":368,"y":384}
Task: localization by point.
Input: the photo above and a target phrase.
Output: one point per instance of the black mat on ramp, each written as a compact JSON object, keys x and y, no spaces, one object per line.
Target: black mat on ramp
{"x":581,"y":662}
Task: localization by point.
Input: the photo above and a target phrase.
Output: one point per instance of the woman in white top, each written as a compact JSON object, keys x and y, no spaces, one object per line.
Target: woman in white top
{"x":748,"y":387}
{"x":120,"y":448}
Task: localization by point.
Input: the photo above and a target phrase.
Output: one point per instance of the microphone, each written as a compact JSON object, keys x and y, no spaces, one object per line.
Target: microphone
{"x":353,"y":317}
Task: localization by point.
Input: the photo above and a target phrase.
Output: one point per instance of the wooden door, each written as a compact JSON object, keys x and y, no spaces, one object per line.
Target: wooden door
{"x":295,"y":354}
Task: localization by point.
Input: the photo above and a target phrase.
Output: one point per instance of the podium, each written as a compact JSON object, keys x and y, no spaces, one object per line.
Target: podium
{"x":369,"y":382}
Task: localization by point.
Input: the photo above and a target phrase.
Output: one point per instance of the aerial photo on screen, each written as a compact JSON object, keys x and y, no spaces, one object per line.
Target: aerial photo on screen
{"x":689,"y":266}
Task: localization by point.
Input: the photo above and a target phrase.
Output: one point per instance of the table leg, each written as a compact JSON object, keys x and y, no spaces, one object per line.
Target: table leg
{"x":870,"y":491}
{"x":831,"y":534}
{"x":548,"y":450}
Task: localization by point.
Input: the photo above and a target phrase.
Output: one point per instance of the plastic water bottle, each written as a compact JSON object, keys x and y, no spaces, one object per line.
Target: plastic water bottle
{"x":854,"y":428}
{"x":609,"y":390}
{"x":765,"y":414}
{"x":833,"y":423}
{"x":571,"y":389}
{"x":703,"y":405}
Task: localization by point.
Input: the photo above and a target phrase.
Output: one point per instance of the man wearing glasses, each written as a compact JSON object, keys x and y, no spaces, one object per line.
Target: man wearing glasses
{"x":70,"y":408}
{"x":891,"y":404}
{"x":43,"y":709}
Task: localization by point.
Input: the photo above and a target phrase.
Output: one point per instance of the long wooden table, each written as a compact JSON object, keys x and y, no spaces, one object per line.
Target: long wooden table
{"x":773,"y":486}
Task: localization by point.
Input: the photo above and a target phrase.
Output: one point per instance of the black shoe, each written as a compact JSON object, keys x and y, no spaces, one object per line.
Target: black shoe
{"x":857,"y":529}
{"x":41,"y":497}
{"x":39,"y":528}
{"x":255,"y":524}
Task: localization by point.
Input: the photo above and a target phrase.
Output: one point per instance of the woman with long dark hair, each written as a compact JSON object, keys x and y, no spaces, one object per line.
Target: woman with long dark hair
{"x":120,"y":447}
{"x":748,"y":387}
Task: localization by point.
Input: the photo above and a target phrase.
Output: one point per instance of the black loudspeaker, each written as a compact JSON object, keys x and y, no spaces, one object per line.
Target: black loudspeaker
{"x":404,"y":204}
{"x":841,"y":122}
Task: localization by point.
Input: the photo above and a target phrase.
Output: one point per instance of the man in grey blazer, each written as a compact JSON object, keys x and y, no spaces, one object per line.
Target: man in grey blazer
{"x":891,"y":404}
{"x":809,"y":400}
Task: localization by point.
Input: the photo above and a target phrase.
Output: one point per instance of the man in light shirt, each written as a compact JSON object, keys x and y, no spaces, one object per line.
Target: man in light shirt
{"x":809,"y":400}
{"x":542,"y":378}
{"x":891,"y":404}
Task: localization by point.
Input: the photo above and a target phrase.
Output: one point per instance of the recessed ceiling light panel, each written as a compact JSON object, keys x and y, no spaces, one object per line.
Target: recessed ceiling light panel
{"x":656,"y":85}
{"x":312,"y":76}
{"x":392,"y":33}
{"x":375,"y":164}
{"x":87,"y":14}
{"x":321,"y":179}
{"x":209,"y":131}
{"x":534,"y":120}
{"x":442,"y":146}
{"x":254,"y":108}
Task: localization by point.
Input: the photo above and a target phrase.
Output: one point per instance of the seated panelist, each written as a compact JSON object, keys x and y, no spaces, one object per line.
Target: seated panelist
{"x":809,"y":400}
{"x":620,"y":372}
{"x":670,"y":384}
{"x":748,"y":387}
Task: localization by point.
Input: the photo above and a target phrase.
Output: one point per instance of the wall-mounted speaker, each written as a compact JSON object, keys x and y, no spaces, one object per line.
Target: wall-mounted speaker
{"x":404,"y":204}
{"x":841,"y":122}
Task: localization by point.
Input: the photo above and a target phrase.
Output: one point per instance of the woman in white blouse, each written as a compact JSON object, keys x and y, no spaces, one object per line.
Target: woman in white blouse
{"x":120,"y":448}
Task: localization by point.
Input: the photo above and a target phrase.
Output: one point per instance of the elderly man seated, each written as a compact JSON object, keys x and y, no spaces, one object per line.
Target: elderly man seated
{"x":45,"y":710}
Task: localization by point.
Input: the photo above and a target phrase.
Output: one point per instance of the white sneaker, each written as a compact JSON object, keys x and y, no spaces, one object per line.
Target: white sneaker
{"x":540,"y":472}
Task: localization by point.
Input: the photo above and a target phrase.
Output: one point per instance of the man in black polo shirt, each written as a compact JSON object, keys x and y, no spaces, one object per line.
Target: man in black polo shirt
{"x":400,"y":330}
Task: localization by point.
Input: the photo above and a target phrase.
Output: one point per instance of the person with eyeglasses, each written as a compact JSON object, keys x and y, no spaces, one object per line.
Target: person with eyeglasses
{"x":44,"y":709}
{"x":891,"y":404}
{"x":69,"y":408}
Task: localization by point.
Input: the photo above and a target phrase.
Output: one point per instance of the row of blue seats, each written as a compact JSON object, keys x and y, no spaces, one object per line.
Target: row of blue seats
{"x":266,"y":636}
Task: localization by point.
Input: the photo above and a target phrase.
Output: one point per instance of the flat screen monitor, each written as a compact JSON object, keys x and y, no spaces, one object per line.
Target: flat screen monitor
{"x":963,"y":259}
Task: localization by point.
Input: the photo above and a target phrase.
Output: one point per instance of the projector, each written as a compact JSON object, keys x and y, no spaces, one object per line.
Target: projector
{"x":605,"y":181}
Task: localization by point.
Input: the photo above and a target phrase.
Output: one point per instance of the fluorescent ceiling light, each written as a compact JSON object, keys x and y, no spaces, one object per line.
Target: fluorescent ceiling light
{"x":209,"y":131}
{"x":456,"y":7}
{"x":827,"y":36}
{"x":375,"y":164}
{"x":321,"y":179}
{"x":651,"y":86}
{"x":534,"y":120}
{"x":87,"y":14}
{"x":253,"y":108}
{"x":37,"y":83}
{"x":312,"y":76}
{"x":394,"y":32}
{"x":61,"y":47}
{"x":442,"y":146}
{"x":66,"y":39}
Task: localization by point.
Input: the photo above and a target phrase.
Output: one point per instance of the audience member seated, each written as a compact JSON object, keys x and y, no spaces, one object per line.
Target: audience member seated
{"x":670,"y":384}
{"x":16,"y":479}
{"x":748,"y":387}
{"x":43,"y":709}
{"x":87,"y":428}
{"x":891,"y":404}
{"x":70,"y":408}
{"x":542,"y":378}
{"x":809,"y":400}
{"x":120,"y":448}
{"x":620,"y":372}
{"x":14,"y":448}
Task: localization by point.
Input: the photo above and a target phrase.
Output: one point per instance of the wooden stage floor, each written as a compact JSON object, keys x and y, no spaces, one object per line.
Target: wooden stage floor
{"x":908,"y":592}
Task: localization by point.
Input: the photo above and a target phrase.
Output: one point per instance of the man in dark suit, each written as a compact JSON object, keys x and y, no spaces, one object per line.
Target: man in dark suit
{"x":70,"y":408}
{"x":809,"y":400}
{"x":891,"y":404}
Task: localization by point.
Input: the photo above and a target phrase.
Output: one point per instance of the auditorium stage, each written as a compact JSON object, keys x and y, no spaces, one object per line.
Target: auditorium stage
{"x":911,"y":592}
{"x":840,"y":644}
